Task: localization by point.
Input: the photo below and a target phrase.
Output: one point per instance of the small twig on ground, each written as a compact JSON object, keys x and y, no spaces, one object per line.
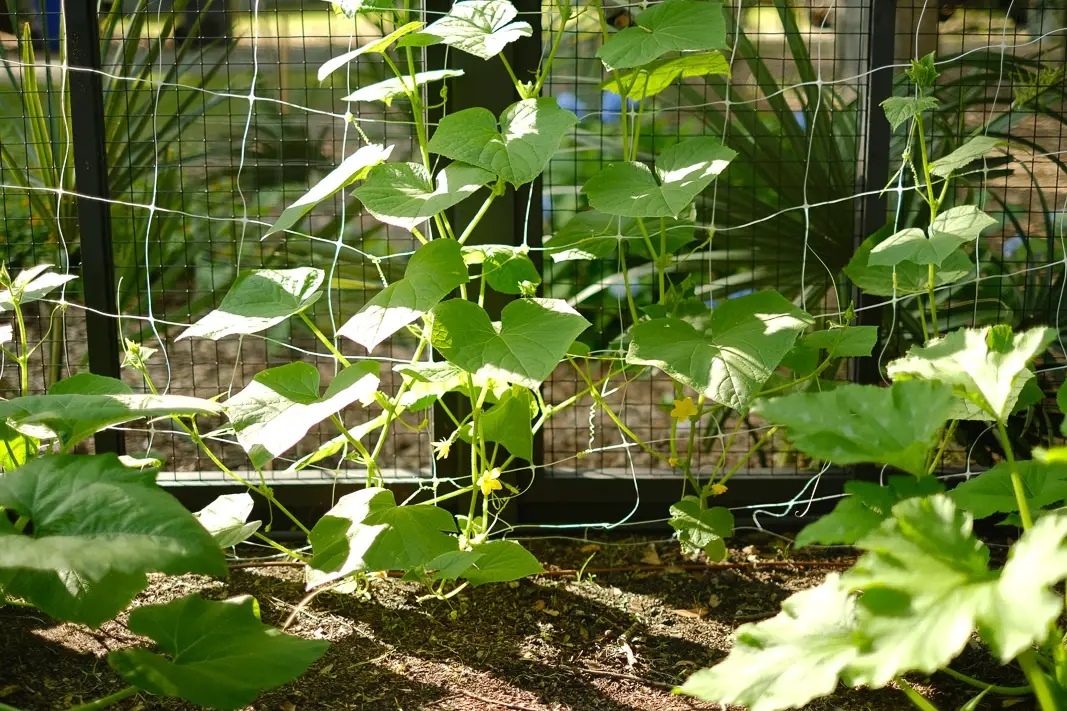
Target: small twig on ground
{"x":505,"y":704}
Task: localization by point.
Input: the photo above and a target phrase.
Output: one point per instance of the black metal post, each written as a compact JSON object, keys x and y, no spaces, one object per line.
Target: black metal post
{"x":91,"y":183}
{"x":881,"y":34}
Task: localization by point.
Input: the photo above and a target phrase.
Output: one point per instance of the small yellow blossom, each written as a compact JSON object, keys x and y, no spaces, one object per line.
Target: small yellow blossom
{"x":718,"y":489}
{"x":442,"y":448}
{"x":672,"y":461}
{"x":684,"y":409}
{"x":490,"y":482}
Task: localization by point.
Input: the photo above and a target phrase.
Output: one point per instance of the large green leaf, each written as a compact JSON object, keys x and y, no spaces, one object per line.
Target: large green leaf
{"x":95,"y":529}
{"x":700,"y":529}
{"x":899,"y":109}
{"x":991,"y":492}
{"x":839,"y":425}
{"x":972,"y":150}
{"x":225,"y":519}
{"x":987,"y":366}
{"x":910,"y":278}
{"x":354,"y":167}
{"x":676,"y":25}
{"x":788,"y":660}
{"x":591,"y":235}
{"x":84,"y":404}
{"x":259,"y":299}
{"x":276,"y":410}
{"x":221,"y":655}
{"x":950,"y":230}
{"x":387,"y":90}
{"x":501,"y":562}
{"x":429,"y":381}
{"x":532,"y":337}
{"x":518,"y":149}
{"x":32,"y":284}
{"x":508,"y":423}
{"x":367,"y":531}
{"x":682,"y":172}
{"x":402,"y":194}
{"x":433,"y":271}
{"x":864,"y":509}
{"x":507,"y":269}
{"x":844,"y":341}
{"x":479,"y":27}
{"x":378,"y":46}
{"x":747,"y":340}
{"x":651,"y":79}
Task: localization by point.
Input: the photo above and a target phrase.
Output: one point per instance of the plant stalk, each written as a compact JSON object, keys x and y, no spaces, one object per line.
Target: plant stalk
{"x":1016,"y":480}
{"x":106,"y":701}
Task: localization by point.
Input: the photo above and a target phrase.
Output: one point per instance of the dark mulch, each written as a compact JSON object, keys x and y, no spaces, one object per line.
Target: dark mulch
{"x":613,"y":641}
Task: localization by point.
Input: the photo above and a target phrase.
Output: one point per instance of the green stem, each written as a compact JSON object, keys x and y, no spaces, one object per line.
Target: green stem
{"x":1016,"y":480}
{"x":933,"y":300}
{"x":23,"y":359}
{"x":397,"y":410}
{"x":626,"y":283}
{"x":655,"y":259}
{"x":372,"y":467}
{"x":445,"y":497}
{"x":687,"y":470}
{"x":748,"y":455}
{"x":476,"y":409}
{"x":542,"y":72}
{"x":941,"y":450}
{"x":934,"y":206}
{"x":992,"y":688}
{"x":279,"y":547}
{"x":325,"y":341}
{"x":914,"y":696}
{"x":477,"y":217}
{"x":107,"y":700}
{"x":21,"y":523}
{"x":922,"y":318}
{"x":511,"y":73}
{"x":1038,"y":681}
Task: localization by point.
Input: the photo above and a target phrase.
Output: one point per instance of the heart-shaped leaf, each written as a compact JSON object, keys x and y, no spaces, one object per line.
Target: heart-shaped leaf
{"x":676,"y":25}
{"x":432,"y":272}
{"x":508,"y":423}
{"x":429,"y":381}
{"x":276,"y":410}
{"x":950,"y":230}
{"x":591,"y":235}
{"x":225,"y":517}
{"x":518,"y":149}
{"x":367,"y":531}
{"x":259,"y":299}
{"x":221,"y":655}
{"x":479,"y":27}
{"x":387,"y":90}
{"x":378,"y":46}
{"x":507,"y":269}
{"x":32,"y":284}
{"x":80,"y":406}
{"x":532,"y":338}
{"x":748,"y":338}
{"x":354,"y":167}
{"x":682,"y":172}
{"x":95,"y":529}
{"x":401,"y":194}
{"x":992,"y":491}
{"x":899,"y":109}
{"x":909,"y":278}
{"x":701,"y":529}
{"x":651,"y":79}
{"x":501,"y":562}
{"x":972,"y":150}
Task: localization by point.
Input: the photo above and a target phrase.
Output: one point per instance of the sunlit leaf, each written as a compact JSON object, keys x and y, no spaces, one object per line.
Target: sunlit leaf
{"x":899,"y":109}
{"x":591,"y":235}
{"x":507,"y":269}
{"x":385,"y":91}
{"x":972,"y":150}
{"x":479,"y":27}
{"x":402,"y":194}
{"x":701,"y":529}
{"x":500,"y":562}
{"x":225,"y":519}
{"x":677,"y":25}
{"x":378,"y":46}
{"x":32,"y":284}
{"x":992,"y":492}
{"x":910,"y":278}
{"x":651,"y":79}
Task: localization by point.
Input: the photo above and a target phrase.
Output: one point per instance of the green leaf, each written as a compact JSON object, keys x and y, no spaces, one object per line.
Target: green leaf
{"x":591,"y":235}
{"x":385,"y":91}
{"x":508,"y":423}
{"x":432,"y":273}
{"x":899,"y":109}
{"x":15,"y":448}
{"x":517,"y":150}
{"x":863,"y":511}
{"x":225,"y":517}
{"x":500,"y":562}
{"x":963,"y":224}
{"x":788,"y":660}
{"x":221,"y":655}
{"x":948,"y":232}
{"x":676,"y":25}
{"x":682,"y":173}
{"x":1061,"y":398}
{"x":401,"y":194}
{"x":701,"y":529}
{"x":972,"y":150}
{"x":447,"y":566}
{"x":367,"y":531}
{"x":749,"y":337}
{"x":910,"y":278}
{"x":989,"y":377}
{"x":844,"y":341}
{"x":508,"y":270}
{"x":354,"y":167}
{"x":651,"y":79}
{"x":278,"y":408}
{"x":532,"y":337}
{"x":79,"y":406}
{"x":991,"y":492}
{"x":32,"y":284}
{"x":480,"y":27}
{"x":429,"y":381}
{"x":838,"y":425}
{"x":259,"y":299}
{"x":96,"y":528}
{"x":378,"y":46}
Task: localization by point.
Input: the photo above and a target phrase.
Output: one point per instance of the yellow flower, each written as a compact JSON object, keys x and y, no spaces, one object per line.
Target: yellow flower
{"x":490,"y":482}
{"x":442,"y":448}
{"x":718,"y":489}
{"x":672,"y":461}
{"x":684,"y":409}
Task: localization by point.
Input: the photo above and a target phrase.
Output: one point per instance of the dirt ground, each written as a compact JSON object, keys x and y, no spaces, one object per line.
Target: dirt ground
{"x":611,"y":641}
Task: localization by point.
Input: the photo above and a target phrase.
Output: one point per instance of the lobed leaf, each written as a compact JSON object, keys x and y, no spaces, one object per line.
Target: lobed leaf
{"x":479,"y":27}
{"x":972,"y":150}
{"x":225,"y":519}
{"x":402,"y":194}
{"x":651,"y":79}
{"x":673,"y":26}
{"x":387,"y":90}
{"x":32,"y":284}
{"x":591,"y":235}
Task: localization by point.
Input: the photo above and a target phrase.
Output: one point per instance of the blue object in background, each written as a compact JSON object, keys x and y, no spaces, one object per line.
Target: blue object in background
{"x":572,"y":103}
{"x":1012,"y":245}
{"x":611,"y":107}
{"x":52,"y":13}
{"x":802,"y":120}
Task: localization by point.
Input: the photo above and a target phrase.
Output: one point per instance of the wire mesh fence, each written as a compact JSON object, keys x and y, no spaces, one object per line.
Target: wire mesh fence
{"x":214,"y":119}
